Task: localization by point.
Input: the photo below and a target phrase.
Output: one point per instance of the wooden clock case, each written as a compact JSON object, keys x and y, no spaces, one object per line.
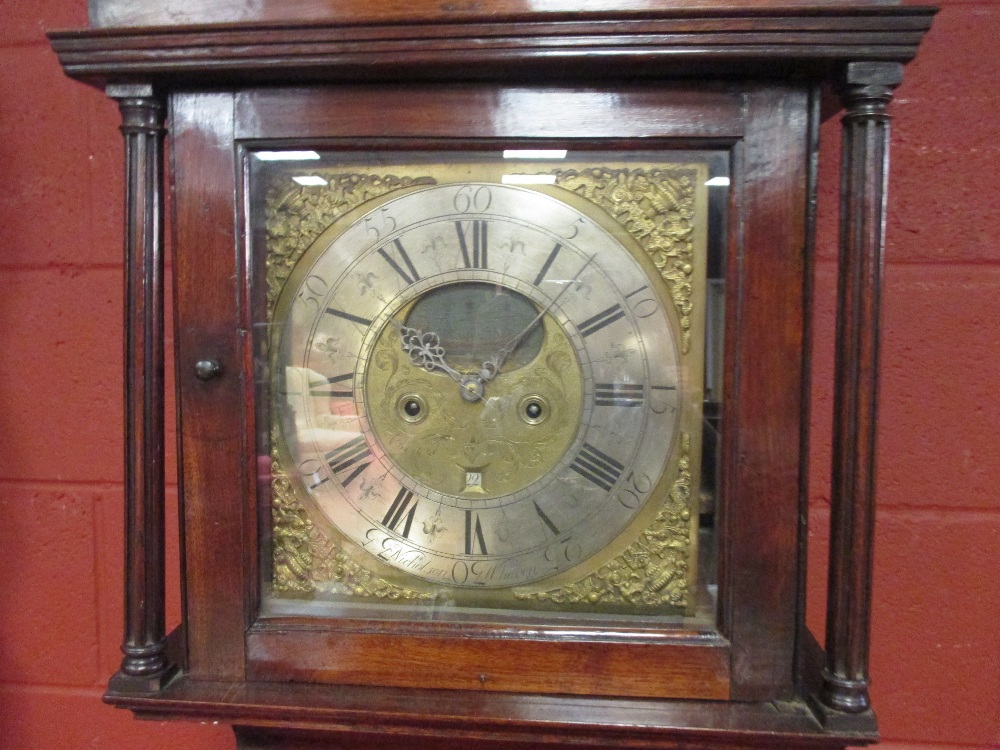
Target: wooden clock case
{"x":754,"y":79}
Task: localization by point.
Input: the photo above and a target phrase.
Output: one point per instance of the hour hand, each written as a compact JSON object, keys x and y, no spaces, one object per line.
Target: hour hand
{"x":425,"y":350}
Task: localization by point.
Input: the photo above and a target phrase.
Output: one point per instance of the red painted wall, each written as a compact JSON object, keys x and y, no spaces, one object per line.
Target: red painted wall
{"x":936,"y":641}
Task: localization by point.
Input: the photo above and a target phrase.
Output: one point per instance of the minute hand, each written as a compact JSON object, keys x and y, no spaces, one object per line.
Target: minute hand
{"x":491,"y":367}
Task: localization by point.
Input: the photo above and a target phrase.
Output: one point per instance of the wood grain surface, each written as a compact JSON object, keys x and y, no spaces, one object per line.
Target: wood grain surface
{"x":732,"y":41}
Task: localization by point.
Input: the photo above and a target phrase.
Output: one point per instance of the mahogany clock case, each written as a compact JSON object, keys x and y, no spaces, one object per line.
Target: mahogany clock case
{"x":767,"y":216}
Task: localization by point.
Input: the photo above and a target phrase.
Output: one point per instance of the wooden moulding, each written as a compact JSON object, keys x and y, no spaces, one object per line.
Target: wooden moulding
{"x":144,"y":667}
{"x":467,"y":716}
{"x":123,"y":13}
{"x":675,"y":41}
{"x":658,"y":669}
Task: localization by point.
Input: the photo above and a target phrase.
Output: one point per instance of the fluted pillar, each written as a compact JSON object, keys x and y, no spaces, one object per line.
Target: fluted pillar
{"x":866,"y":91}
{"x":144,"y":666}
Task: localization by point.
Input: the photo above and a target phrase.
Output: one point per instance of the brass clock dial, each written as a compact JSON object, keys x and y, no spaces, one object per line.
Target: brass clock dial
{"x":479,"y":385}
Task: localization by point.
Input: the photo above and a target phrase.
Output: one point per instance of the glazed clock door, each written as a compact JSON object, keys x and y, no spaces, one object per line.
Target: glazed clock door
{"x":486,"y":388}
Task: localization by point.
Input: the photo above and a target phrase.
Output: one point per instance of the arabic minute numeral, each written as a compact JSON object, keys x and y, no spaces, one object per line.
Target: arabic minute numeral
{"x":469,"y":198}
{"x":313,"y":289}
{"x":380,"y":223}
{"x":310,"y":470}
{"x":631,"y":495}
{"x":575,"y":228}
{"x":643,"y":305}
{"x":657,"y":401}
{"x":563,"y":551}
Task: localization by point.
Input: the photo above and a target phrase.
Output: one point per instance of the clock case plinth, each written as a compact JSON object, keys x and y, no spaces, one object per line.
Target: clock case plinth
{"x":691,"y":76}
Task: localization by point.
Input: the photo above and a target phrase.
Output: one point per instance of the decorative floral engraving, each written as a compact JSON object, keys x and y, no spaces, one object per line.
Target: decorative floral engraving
{"x":656,"y":206}
{"x":653,"y":571}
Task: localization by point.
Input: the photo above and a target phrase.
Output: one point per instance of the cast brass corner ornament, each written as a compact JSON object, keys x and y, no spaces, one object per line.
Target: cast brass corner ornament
{"x":307,"y":561}
{"x":652,"y":571}
{"x":294,"y":216}
{"x":657,"y":207}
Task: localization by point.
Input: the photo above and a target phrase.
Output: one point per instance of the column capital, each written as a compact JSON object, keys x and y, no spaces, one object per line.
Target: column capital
{"x":866,"y":88}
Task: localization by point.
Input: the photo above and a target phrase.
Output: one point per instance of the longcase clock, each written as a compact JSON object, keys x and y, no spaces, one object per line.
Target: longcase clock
{"x":493,"y":340}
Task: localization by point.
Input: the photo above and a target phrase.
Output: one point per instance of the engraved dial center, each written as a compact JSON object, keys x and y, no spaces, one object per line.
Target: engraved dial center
{"x":473,"y":438}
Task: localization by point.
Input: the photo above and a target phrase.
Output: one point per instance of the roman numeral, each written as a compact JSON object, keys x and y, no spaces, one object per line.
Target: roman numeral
{"x":474,"y":535}
{"x":332,"y":393}
{"x":545,"y":519}
{"x":548,"y":264}
{"x":597,"y":467}
{"x":602,"y":319}
{"x":474,"y":257}
{"x":348,"y":458}
{"x":410,"y":274}
{"x":349,"y":316}
{"x":618,"y":394}
{"x":399,"y":506}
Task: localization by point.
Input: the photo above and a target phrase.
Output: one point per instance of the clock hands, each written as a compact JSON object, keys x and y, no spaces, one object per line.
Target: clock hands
{"x":425,"y":351}
{"x":491,"y":367}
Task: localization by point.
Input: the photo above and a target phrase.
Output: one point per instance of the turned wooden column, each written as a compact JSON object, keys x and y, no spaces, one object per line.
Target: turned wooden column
{"x":145,"y":665}
{"x":866,"y":91}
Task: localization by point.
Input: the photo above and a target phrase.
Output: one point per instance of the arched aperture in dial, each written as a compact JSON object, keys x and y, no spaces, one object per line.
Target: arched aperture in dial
{"x":476,"y":319}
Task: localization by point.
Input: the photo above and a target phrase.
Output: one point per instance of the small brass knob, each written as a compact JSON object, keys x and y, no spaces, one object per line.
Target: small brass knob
{"x":207,"y":369}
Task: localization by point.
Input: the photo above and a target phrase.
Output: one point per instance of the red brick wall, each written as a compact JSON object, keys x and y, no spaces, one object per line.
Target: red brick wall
{"x":936,"y":642}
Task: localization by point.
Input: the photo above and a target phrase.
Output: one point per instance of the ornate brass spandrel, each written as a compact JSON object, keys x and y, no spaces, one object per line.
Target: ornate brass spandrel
{"x":653,"y":571}
{"x":291,"y":531}
{"x":657,"y":207}
{"x":295,"y":215}
{"x":308,"y":561}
